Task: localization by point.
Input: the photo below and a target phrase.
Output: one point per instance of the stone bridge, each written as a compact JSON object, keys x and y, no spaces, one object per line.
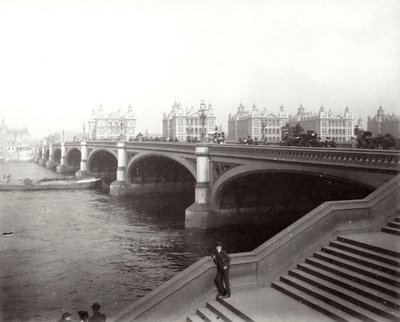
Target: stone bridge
{"x":216,"y":172}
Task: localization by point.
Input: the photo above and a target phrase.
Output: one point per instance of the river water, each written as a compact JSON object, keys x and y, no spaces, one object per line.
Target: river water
{"x":64,"y":250}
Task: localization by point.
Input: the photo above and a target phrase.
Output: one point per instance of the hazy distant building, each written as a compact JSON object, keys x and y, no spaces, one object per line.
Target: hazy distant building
{"x":383,"y":123}
{"x":112,"y":126}
{"x":183,"y":123}
{"x":258,"y":124}
{"x":13,"y":141}
{"x":3,"y":140}
{"x":360,"y":124}
{"x":327,"y":124}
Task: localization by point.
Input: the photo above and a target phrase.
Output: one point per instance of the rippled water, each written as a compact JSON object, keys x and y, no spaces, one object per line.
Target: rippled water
{"x":69,"y":249}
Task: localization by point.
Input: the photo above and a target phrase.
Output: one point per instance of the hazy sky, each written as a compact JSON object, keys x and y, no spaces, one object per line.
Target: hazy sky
{"x":61,"y":59}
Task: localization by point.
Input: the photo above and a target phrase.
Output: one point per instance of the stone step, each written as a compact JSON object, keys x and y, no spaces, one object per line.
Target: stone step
{"x":348,"y":294}
{"x":395,"y":252}
{"x":234,"y":309}
{"x":207,"y":315}
{"x":378,"y":265}
{"x":397,"y":219}
{"x":394,"y":224}
{"x":194,"y":318}
{"x":391,"y":230}
{"x":395,"y":261}
{"x":315,"y":303}
{"x":224,"y":312}
{"x":338,"y":302}
{"x":368,"y":271}
{"x":356,"y":282}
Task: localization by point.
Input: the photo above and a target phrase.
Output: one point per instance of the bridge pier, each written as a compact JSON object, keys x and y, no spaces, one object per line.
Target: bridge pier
{"x":119,"y":187}
{"x":42,"y":160}
{"x":199,"y":214}
{"x":62,"y":167}
{"x":83,"y":172}
{"x":36,"y":155}
{"x":51,"y":164}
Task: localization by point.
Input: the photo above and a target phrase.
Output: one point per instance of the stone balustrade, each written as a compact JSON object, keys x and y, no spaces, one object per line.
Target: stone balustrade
{"x":375,"y":159}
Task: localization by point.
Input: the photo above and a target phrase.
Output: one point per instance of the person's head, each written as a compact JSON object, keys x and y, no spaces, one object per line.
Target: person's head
{"x":218,"y":246}
{"x":66,"y":316}
{"x":95,"y":307}
{"x":83,"y":315}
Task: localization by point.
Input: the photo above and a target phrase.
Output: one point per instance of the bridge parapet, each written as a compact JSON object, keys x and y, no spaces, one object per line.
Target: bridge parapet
{"x":162,"y":146}
{"x":371,"y":159}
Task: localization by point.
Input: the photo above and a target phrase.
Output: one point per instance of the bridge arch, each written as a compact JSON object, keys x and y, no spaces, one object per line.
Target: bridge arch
{"x":57,"y":155}
{"x":133,"y":162}
{"x":103,"y":162}
{"x":243,"y":171}
{"x":73,"y":158}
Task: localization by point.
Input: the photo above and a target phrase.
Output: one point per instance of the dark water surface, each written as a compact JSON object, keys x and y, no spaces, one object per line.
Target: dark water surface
{"x":68,"y":249}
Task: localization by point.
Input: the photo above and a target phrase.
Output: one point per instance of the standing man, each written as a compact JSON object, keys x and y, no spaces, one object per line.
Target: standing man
{"x":222,"y":260}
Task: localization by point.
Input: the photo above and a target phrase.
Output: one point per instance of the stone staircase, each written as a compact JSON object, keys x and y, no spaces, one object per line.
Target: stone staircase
{"x":355,"y":278}
{"x":218,"y":310}
{"x":393,"y":227}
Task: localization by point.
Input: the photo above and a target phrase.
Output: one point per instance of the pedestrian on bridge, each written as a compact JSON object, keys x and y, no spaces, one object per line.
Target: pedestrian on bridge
{"x":222,"y":260}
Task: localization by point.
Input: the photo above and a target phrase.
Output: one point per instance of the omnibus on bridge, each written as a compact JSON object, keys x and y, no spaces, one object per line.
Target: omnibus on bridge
{"x":216,"y":137}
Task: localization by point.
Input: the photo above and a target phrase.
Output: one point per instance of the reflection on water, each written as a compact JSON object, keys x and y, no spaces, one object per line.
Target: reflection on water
{"x":72,"y":248}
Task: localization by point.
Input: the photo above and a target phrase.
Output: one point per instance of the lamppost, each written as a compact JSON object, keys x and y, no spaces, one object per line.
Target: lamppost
{"x":122,"y":125}
{"x":202,"y":117}
{"x":84,"y":131}
{"x":263,"y":130}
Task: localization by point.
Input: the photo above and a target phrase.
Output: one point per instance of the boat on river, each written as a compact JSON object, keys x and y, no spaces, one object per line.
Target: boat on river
{"x":50,"y":184}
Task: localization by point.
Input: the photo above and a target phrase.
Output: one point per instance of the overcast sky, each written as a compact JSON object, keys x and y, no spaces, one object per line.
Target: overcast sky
{"x":61,"y":59}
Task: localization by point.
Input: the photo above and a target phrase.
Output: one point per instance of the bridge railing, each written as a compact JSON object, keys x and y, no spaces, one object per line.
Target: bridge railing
{"x":162,"y":146}
{"x":380,"y":159}
{"x":194,"y":286}
{"x":146,"y":145}
{"x":373,"y":159}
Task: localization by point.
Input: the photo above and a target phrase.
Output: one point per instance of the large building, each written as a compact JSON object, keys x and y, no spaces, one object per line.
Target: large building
{"x":186,"y":123}
{"x":3,"y":140}
{"x":256,"y":124}
{"x":112,"y":126}
{"x":14,"y":142}
{"x":328,"y":125}
{"x":383,"y":123}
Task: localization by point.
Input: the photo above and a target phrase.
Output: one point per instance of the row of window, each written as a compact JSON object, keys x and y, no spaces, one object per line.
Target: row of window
{"x":338,"y":123}
{"x":113,"y":131}
{"x":266,"y":131}
{"x":190,"y":131}
{"x":337,"y":131}
{"x":195,"y":122}
{"x":269,"y":123}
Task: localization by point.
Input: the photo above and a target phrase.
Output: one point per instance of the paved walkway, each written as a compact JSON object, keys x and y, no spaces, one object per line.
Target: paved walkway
{"x":379,"y":239}
{"x":267,"y":304}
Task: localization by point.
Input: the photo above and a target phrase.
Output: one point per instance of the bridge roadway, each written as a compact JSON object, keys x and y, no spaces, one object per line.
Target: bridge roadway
{"x":213,"y":166}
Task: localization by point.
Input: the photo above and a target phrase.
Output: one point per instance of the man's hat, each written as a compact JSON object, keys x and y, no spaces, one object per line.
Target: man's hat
{"x":218,"y":243}
{"x":96,"y":306}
